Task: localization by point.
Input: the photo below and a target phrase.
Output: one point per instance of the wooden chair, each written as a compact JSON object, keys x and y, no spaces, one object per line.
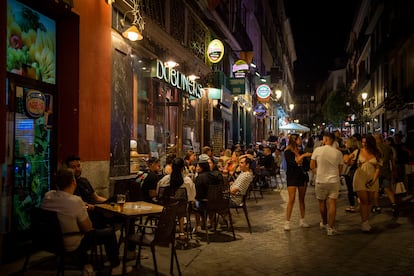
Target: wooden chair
{"x":47,"y":236}
{"x":161,"y":234}
{"x":243,"y":206}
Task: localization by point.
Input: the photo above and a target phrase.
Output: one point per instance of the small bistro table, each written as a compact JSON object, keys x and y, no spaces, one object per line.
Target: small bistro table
{"x":131,"y":210}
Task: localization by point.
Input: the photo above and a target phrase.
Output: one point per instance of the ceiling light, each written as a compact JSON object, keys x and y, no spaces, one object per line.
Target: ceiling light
{"x":193,"y":77}
{"x":171,"y":64}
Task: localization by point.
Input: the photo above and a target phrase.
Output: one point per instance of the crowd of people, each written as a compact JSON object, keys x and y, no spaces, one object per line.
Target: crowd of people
{"x":368,"y":164}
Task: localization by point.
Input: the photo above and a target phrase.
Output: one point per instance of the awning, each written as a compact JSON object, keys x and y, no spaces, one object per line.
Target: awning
{"x":295,"y":127}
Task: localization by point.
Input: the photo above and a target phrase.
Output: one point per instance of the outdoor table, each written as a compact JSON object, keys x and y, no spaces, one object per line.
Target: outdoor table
{"x":131,"y":210}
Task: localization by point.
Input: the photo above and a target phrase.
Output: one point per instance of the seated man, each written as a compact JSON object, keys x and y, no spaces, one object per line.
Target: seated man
{"x":266,"y":165}
{"x":239,"y":187}
{"x":73,"y":217}
{"x":150,"y":179}
{"x":84,"y":188}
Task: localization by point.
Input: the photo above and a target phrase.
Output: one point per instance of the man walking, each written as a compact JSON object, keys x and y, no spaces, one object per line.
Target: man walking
{"x":327,"y":163}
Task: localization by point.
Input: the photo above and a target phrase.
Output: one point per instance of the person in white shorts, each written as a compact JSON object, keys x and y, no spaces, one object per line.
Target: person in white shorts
{"x":327,"y":163}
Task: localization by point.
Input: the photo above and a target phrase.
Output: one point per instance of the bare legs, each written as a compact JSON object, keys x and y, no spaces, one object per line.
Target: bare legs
{"x":291,"y":201}
{"x":365,"y":199}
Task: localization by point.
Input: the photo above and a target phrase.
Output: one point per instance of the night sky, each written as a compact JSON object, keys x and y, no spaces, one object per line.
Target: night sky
{"x":320,"y":30}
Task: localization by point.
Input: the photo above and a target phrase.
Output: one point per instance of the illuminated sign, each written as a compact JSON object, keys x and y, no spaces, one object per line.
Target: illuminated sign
{"x":35,"y":103}
{"x":215,"y":51}
{"x":263,"y":92}
{"x":240,"y":68}
{"x":176,"y":79}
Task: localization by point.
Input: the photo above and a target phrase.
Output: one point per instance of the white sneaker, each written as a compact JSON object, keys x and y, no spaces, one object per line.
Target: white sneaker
{"x":118,"y":270}
{"x":303,"y":224}
{"x":365,"y":227}
{"x":323,"y":226}
{"x":331,"y":231}
{"x":287,"y":226}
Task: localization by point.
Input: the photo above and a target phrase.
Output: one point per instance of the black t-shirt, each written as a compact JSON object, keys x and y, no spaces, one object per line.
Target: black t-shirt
{"x":85,"y":190}
{"x":150,"y":183}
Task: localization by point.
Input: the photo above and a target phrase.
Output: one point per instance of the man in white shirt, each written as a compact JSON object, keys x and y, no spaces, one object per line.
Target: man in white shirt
{"x":327,"y":162}
{"x":239,"y":187}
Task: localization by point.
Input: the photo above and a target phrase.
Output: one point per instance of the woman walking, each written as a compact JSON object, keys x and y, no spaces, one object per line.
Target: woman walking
{"x":296,"y":178}
{"x":366,"y":178}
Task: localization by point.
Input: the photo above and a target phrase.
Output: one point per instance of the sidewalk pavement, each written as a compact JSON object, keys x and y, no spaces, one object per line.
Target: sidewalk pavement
{"x":269,"y":250}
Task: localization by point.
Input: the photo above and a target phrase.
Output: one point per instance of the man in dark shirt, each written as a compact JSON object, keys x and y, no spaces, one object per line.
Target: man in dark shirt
{"x":84,"y":188}
{"x":149,"y":184}
{"x":266,"y":165}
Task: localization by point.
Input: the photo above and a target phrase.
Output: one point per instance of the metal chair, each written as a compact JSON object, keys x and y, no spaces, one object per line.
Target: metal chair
{"x":47,"y":236}
{"x":161,"y":234}
{"x":244,"y":207}
{"x":218,"y":202}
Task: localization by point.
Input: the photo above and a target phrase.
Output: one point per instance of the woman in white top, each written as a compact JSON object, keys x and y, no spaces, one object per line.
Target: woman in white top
{"x":178,"y":179}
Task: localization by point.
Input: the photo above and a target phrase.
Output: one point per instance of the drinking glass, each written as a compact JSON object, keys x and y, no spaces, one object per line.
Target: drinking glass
{"x":120,"y":200}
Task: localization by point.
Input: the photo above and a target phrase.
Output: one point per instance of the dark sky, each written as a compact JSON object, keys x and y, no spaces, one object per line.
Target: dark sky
{"x":321,"y":30}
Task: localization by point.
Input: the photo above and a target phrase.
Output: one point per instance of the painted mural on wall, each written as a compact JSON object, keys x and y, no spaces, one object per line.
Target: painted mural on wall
{"x":31,"y":43}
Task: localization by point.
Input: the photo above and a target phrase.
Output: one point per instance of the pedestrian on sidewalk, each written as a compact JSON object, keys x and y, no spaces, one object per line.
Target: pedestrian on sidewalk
{"x":296,"y":179}
{"x":388,"y":170}
{"x":366,"y":178}
{"x":327,"y":163}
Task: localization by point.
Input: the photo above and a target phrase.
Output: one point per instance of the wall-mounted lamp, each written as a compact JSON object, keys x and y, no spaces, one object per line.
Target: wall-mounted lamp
{"x":278,"y":94}
{"x":134,"y":31}
{"x":291,"y":107}
{"x":364,"y":95}
{"x":193,"y":77}
{"x":171,"y":64}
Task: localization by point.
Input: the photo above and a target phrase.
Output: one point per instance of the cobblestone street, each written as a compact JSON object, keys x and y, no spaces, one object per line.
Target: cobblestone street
{"x":269,"y":250}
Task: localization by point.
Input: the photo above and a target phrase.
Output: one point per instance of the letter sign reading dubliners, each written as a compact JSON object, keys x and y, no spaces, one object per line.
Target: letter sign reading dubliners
{"x":215,"y":51}
{"x":263,"y":92}
{"x":176,"y":79}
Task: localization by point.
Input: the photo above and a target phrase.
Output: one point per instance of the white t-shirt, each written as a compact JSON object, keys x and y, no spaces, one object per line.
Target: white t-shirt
{"x":70,"y":209}
{"x":328,"y":159}
{"x":188,"y":185}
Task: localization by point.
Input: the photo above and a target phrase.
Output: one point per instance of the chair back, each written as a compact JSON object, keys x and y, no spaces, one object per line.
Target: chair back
{"x":167,"y":195}
{"x":165,"y":232}
{"x":46,"y":231}
{"x":218,"y":197}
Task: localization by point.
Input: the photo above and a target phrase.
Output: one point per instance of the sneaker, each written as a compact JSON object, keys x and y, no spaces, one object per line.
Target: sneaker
{"x":350,"y":209}
{"x":376,"y":209}
{"x":323,"y":226}
{"x":303,"y":224}
{"x":287,"y":226}
{"x":118,"y":270}
{"x":331,"y":231}
{"x":365,"y":227}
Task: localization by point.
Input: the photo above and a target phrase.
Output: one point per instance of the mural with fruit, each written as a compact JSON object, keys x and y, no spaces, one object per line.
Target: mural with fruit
{"x":31,"y":40}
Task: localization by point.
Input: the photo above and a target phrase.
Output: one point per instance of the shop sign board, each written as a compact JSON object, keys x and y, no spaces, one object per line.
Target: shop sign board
{"x":260,"y":110}
{"x":237,"y":85}
{"x":176,"y":79}
{"x":240,"y":68}
{"x":215,"y":51}
{"x":263,"y":92}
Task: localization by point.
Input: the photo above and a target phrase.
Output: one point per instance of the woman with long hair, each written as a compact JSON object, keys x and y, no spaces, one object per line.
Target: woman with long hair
{"x":352,"y":145}
{"x":296,"y":178}
{"x":366,"y":178}
{"x":178,"y":179}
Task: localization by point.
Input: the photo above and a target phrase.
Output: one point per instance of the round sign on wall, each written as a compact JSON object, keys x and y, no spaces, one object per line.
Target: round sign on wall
{"x":215,"y":51}
{"x":263,"y":92}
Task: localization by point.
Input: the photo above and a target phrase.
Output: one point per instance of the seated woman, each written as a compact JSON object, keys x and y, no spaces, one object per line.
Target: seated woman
{"x":175,"y":180}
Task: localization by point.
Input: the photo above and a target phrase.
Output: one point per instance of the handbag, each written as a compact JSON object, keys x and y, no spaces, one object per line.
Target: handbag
{"x":400,"y":188}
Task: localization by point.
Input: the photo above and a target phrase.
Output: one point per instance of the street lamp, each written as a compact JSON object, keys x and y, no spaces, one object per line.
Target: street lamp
{"x":364,"y":96}
{"x":291,"y":107}
{"x":278,"y":94}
